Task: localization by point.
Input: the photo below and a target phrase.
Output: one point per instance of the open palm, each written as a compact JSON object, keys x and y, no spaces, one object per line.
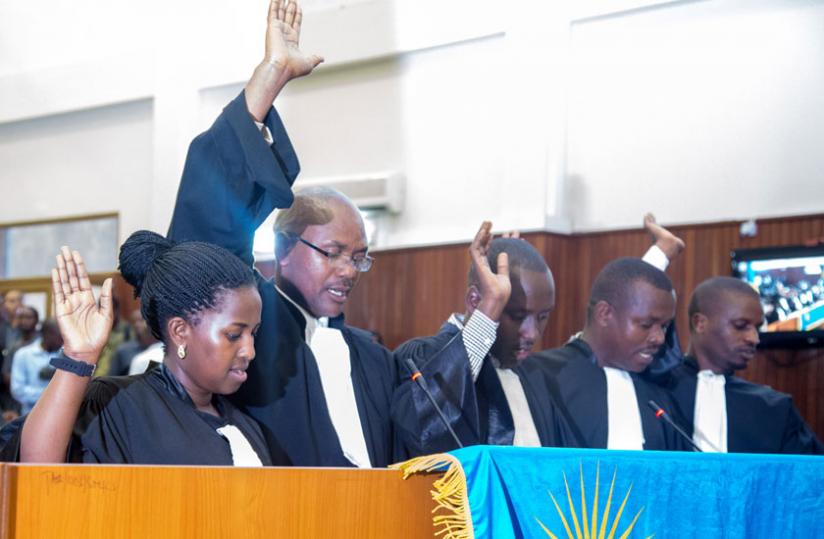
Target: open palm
{"x":84,"y":325}
{"x":282,"y":40}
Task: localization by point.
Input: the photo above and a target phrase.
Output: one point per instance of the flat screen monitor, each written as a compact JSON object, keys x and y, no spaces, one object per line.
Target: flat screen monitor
{"x":790,"y":282}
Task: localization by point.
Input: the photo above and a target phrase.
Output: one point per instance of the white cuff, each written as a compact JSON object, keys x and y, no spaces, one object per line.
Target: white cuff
{"x":267,"y":135}
{"x":656,"y":257}
{"x":478,"y":334}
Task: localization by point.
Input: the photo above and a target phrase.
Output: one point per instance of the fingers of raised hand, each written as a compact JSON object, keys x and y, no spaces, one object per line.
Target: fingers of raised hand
{"x":57,"y":287}
{"x":298,"y":21}
{"x":71,"y":268}
{"x":106,"y":305}
{"x":63,"y":276}
{"x":289,"y":16}
{"x":281,"y":9}
{"x":503,"y":265}
{"x":481,"y":239}
{"x":82,"y":275}
{"x":274,"y":5}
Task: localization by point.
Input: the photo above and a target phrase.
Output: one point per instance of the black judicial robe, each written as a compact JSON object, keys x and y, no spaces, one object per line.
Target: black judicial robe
{"x":571,"y":374}
{"x":284,"y":392}
{"x":150,"y":419}
{"x":231,"y":182}
{"x":759,"y":418}
{"x":478,"y":412}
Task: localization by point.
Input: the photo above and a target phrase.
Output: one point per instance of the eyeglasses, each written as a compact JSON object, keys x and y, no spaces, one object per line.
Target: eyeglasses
{"x":361,"y":262}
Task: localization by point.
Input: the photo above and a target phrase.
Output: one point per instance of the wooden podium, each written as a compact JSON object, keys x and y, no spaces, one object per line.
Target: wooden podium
{"x":83,"y":501}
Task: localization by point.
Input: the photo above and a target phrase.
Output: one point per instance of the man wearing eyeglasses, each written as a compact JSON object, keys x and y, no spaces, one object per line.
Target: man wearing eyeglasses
{"x":324,"y":393}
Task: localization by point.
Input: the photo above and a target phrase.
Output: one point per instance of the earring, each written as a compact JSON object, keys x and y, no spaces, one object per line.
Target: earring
{"x":181,"y":351}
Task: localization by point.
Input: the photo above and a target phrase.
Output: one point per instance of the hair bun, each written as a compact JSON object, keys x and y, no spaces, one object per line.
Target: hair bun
{"x":138,"y":254}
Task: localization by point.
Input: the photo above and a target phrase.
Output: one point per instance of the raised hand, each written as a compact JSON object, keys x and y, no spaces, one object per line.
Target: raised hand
{"x":283,"y":60}
{"x":494,"y":288}
{"x":668,"y":242}
{"x":283,"y":37}
{"x":84,"y":325}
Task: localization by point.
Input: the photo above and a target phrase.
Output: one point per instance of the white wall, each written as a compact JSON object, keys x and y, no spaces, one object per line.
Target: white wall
{"x":84,"y":162}
{"x":560,"y":115}
{"x":700,"y":111}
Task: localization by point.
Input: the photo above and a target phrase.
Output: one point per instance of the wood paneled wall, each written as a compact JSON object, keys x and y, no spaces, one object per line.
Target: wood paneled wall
{"x":411,"y":292}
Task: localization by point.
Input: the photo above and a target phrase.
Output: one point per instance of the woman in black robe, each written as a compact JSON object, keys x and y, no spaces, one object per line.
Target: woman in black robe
{"x":201,"y":301}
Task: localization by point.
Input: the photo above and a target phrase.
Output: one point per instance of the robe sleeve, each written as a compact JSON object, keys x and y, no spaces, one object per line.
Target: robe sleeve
{"x":233,"y":180}
{"x":798,"y":438}
{"x":95,"y":402}
{"x":445,"y":367}
{"x":100,"y":427}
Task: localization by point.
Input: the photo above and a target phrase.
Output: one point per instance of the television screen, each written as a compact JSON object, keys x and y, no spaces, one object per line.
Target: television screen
{"x":790,"y":282}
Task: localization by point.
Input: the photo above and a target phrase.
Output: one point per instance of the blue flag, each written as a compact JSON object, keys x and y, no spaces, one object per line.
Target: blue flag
{"x":597,"y":494}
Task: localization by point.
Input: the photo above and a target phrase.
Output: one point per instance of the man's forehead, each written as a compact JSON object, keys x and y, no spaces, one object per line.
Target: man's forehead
{"x":531,"y":290}
{"x":739,"y":304}
{"x":342,"y":233}
{"x":646,"y":297}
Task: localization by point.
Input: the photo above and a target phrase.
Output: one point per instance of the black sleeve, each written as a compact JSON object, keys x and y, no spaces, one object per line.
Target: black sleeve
{"x":798,"y":437}
{"x":233,"y":180}
{"x":99,"y":432}
{"x":445,"y":367}
{"x":99,"y":393}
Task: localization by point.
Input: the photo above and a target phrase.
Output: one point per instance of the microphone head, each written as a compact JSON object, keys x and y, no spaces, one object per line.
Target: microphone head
{"x":659,"y":412}
{"x":410,"y":364}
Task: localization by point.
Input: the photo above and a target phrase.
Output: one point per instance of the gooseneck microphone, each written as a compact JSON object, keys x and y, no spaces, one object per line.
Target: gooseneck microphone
{"x":418,"y":378}
{"x":661,"y":414}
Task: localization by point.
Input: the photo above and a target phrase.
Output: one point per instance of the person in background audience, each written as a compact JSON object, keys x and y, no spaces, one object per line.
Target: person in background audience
{"x":11,"y":301}
{"x":126,"y":352}
{"x":725,"y":413}
{"x":26,"y":322}
{"x":153,"y":353}
{"x":202,"y":302}
{"x":30,"y":370}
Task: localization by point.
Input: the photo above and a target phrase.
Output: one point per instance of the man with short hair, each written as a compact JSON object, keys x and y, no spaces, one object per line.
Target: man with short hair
{"x":477,"y":387}
{"x":30,"y":370}
{"x":509,"y":407}
{"x":324,"y":393}
{"x":725,"y":413}
{"x":595,"y":378}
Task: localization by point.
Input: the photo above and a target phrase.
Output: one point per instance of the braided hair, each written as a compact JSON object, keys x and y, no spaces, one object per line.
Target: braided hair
{"x":178,"y":279}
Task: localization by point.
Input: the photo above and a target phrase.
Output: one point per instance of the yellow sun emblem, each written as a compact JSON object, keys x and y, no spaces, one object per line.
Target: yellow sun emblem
{"x":591,"y":530}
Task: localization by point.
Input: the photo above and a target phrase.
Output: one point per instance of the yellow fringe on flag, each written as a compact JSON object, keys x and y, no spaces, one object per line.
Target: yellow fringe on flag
{"x":452,"y":518}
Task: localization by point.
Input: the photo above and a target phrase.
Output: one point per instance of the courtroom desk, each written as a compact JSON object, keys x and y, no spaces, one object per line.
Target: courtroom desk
{"x":86,"y":501}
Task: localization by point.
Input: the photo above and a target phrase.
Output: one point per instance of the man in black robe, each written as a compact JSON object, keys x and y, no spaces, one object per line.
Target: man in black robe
{"x":485,"y":399}
{"x":595,"y":378}
{"x":725,"y":413}
{"x":324,"y":393}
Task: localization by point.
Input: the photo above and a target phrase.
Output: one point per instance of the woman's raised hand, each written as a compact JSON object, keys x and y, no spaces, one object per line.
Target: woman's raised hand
{"x":84,"y":324}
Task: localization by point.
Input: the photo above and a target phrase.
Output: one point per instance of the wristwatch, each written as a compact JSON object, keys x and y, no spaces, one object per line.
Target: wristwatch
{"x":65,"y":363}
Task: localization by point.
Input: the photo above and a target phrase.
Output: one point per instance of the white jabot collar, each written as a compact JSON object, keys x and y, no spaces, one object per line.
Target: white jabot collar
{"x":624,"y":418}
{"x":335,"y":368}
{"x":710,"y":414}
